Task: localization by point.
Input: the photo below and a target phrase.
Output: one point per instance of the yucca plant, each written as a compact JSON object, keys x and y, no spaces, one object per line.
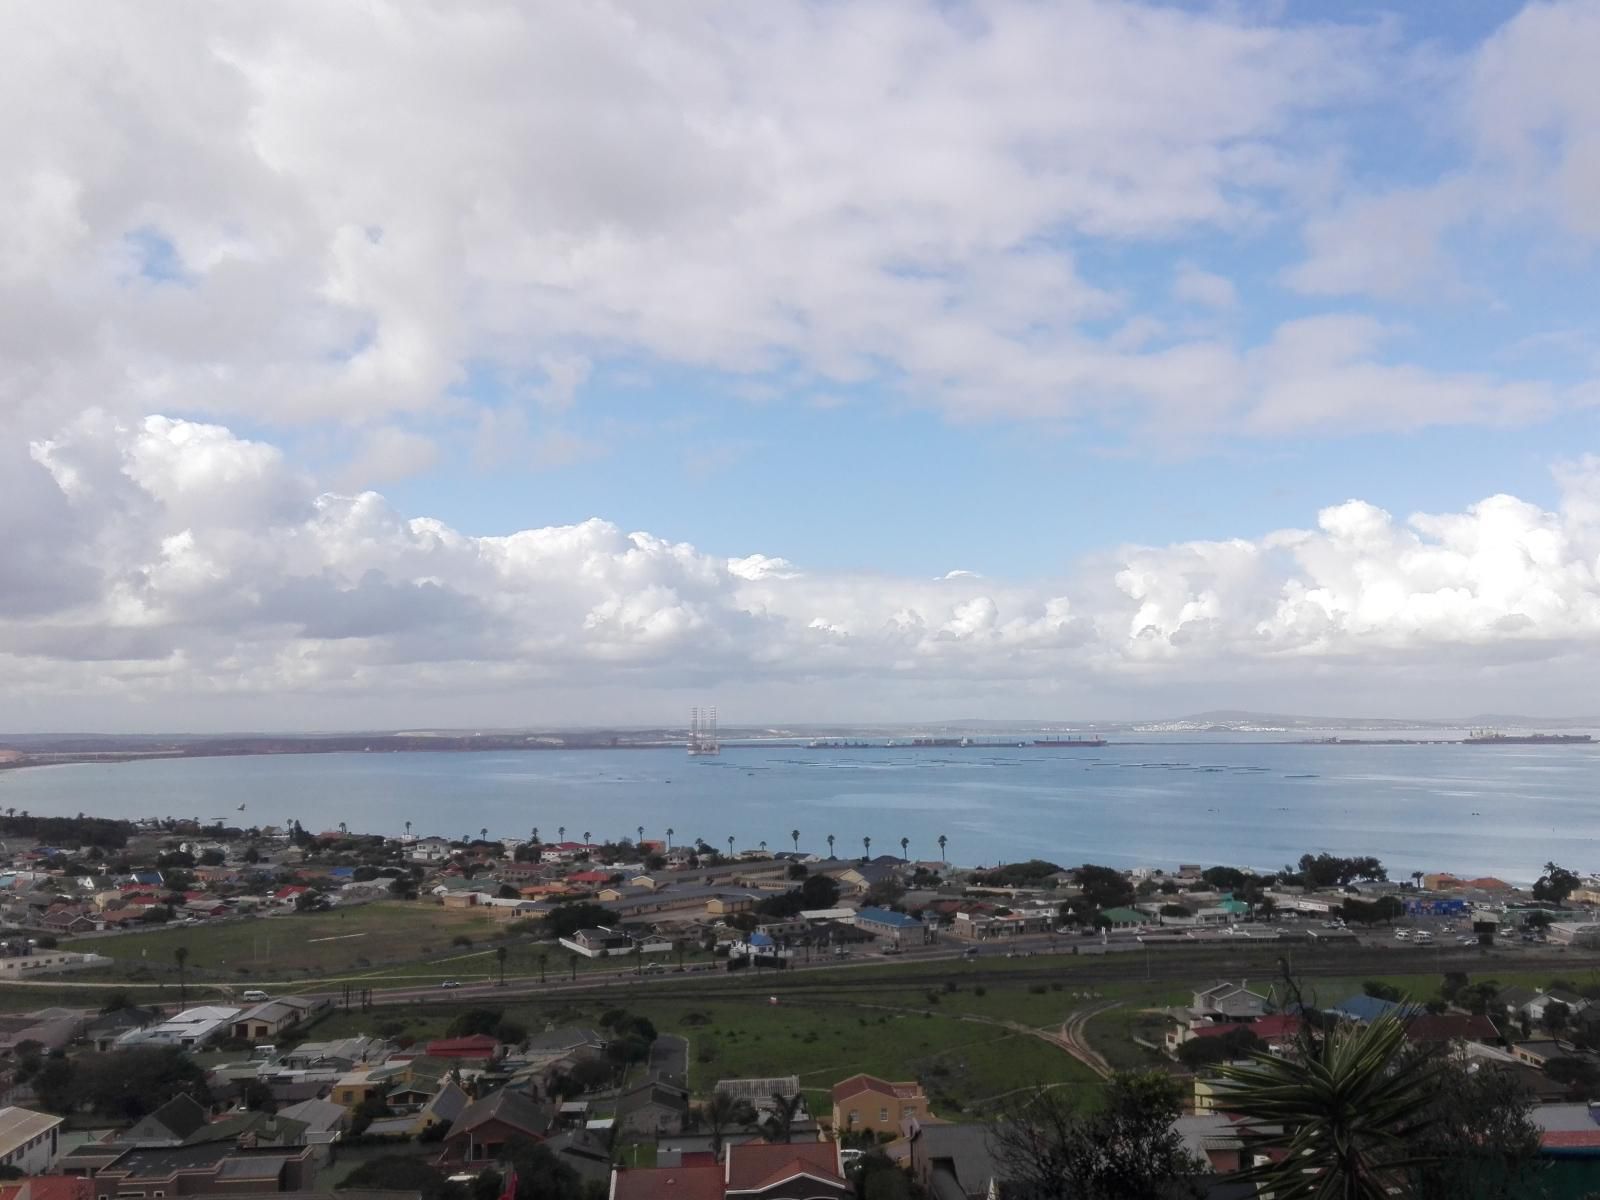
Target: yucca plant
{"x":1348,"y":1113}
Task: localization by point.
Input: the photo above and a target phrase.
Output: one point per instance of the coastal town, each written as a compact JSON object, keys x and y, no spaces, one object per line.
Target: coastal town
{"x":274,"y":1009}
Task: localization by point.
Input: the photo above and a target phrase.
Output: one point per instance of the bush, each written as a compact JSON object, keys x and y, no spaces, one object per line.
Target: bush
{"x":461,"y":939}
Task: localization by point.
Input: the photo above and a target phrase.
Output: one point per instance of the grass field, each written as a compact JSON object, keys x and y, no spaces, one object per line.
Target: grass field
{"x":299,"y":945}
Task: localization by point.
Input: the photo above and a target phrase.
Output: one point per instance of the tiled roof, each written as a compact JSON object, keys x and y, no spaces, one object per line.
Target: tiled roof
{"x":667,"y":1183}
{"x":755,"y":1166}
{"x":857,"y":1084}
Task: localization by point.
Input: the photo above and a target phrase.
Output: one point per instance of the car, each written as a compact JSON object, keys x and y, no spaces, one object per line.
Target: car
{"x":450,"y":983}
{"x":255,"y":995}
{"x":655,"y":969}
{"x":850,"y":1158}
{"x":891,"y":950}
{"x":1403,"y":935}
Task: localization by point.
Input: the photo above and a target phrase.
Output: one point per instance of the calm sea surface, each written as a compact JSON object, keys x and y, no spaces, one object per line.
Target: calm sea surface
{"x":1470,"y":809}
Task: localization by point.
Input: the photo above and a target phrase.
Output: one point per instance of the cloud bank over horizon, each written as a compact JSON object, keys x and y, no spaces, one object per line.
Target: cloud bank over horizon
{"x":419,"y":363}
{"x":171,"y":562}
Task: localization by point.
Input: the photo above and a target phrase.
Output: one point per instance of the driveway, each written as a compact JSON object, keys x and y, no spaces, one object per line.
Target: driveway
{"x":669,"y":1055}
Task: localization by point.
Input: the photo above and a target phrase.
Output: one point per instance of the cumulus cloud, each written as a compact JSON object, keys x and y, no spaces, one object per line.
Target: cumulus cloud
{"x":359,"y":210}
{"x":189,"y":560}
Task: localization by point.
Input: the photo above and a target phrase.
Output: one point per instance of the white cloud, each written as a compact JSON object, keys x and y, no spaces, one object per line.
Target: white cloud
{"x":1191,"y":285}
{"x":387,"y":454}
{"x":189,"y":563}
{"x":373,"y":205}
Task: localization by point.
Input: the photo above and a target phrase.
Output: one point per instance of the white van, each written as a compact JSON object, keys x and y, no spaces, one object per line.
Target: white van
{"x":256,"y":996}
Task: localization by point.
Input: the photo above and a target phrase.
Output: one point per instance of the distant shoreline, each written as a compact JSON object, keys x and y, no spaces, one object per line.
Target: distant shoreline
{"x":17,"y":760}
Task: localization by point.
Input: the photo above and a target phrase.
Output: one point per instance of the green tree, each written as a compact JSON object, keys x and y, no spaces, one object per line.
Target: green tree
{"x":475,"y":1021}
{"x":1050,"y":1148}
{"x":1555,"y":885}
{"x":723,"y":1112}
{"x":1482,"y":1142}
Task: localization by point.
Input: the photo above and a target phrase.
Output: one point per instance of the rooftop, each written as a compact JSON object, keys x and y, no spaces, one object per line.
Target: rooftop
{"x":18,"y":1125}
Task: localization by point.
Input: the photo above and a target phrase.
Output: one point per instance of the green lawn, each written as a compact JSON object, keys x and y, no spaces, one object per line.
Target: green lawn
{"x":296,"y":946}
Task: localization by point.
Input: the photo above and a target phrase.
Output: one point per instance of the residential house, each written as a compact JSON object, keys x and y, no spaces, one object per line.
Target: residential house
{"x":865,"y":1102}
{"x":1121,"y":918}
{"x":448,"y":1103}
{"x":339,"y":1055}
{"x":272,"y":1017}
{"x":324,"y":1121}
{"x":651,"y":1108}
{"x":476,"y":1046}
{"x":102,"y":1031}
{"x":483,"y":1128}
{"x":189,"y":1029}
{"x":429,"y":850}
{"x":29,"y":1141}
{"x":954,"y":1162}
{"x":584,"y":1151}
{"x":207,"y":1169}
{"x":1535,"y":1008}
{"x":171,"y":1124}
{"x":598,"y":942}
{"x":791,"y":1171}
{"x":1227,"y":1001}
{"x":700,"y":1181}
{"x":898,"y":927}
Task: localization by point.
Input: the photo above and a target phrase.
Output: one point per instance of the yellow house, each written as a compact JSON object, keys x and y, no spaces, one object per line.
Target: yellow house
{"x":355,"y":1086}
{"x":865,"y":1102}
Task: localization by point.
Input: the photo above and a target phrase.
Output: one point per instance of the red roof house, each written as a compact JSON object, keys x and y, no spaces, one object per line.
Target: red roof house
{"x":478,"y":1045}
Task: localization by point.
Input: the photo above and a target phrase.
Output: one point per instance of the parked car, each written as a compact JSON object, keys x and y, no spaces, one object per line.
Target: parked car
{"x":451,"y":983}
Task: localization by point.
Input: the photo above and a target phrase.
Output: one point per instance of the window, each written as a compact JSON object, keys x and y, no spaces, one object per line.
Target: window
{"x":883,"y":1114}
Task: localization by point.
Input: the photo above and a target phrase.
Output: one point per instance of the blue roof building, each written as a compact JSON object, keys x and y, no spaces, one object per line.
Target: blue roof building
{"x":885,"y":922}
{"x":1364,"y":1008}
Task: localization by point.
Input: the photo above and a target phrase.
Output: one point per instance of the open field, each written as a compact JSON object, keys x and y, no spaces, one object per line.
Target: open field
{"x":296,"y":945}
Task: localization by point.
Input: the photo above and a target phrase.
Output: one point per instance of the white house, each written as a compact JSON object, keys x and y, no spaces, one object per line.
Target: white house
{"x":190,"y":1028}
{"x":29,"y":1141}
{"x":429,"y":849}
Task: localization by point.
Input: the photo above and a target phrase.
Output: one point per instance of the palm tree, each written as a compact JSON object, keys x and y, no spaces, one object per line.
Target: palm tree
{"x":535,"y":838}
{"x":182,"y":955}
{"x":343,"y":828}
{"x":866,"y":846}
{"x":730,"y":846}
{"x":484,"y":833}
{"x":795,"y":834}
{"x":1416,"y":878}
{"x":905,"y":848}
{"x":780,"y":1124}
{"x":830,"y":845}
{"x":585,"y":839}
{"x":763,"y":847}
{"x":942,"y":841}
{"x":544,"y":960}
{"x":500,"y":957}
{"x":1349,"y":1117}
{"x":670,"y":832}
{"x":408,"y":828}
{"x":720,"y":1113}
{"x":561,"y":833}
{"x":641,"y":835}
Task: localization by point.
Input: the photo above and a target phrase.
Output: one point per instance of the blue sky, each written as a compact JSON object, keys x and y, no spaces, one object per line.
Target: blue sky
{"x":1236,"y":350}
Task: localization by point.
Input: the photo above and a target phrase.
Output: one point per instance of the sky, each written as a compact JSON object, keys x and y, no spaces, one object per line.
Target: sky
{"x":426,"y":364}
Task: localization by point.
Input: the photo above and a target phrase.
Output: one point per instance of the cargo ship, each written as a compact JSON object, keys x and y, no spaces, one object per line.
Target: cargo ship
{"x":1490,"y":737}
{"x":1069,"y":742}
